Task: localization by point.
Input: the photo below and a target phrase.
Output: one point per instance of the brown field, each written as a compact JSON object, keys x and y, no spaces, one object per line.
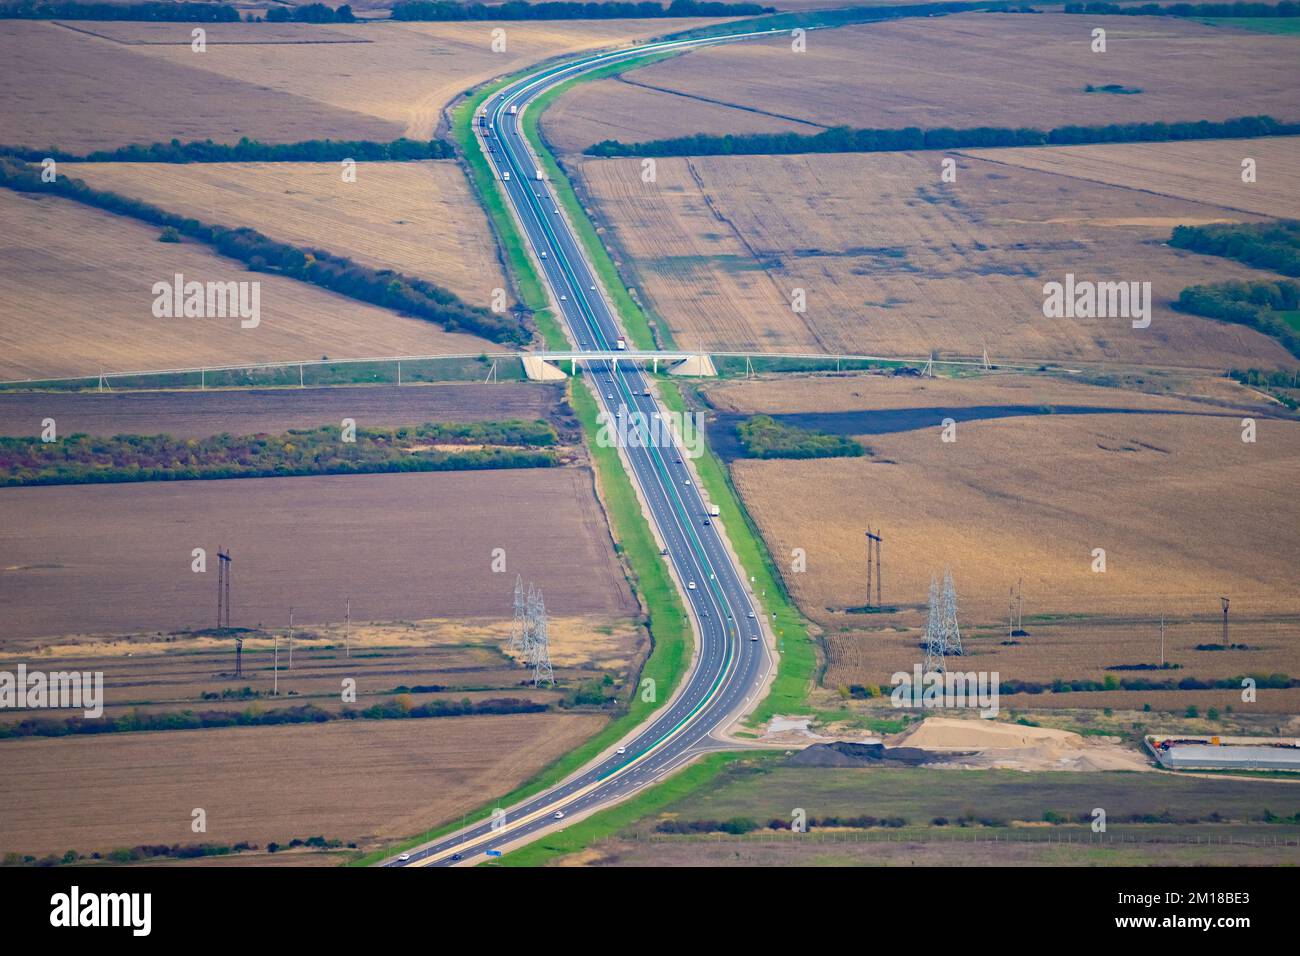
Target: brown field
{"x":115,"y":559}
{"x":141,"y":82}
{"x":1207,"y":171}
{"x":716,"y":245}
{"x":1184,"y":509}
{"x":75,"y":298}
{"x":416,"y":218}
{"x":200,"y":414}
{"x":936,"y":72}
{"x":270,"y":783}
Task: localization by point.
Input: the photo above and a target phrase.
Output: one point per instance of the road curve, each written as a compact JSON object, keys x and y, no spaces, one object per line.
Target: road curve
{"x":733,"y":658}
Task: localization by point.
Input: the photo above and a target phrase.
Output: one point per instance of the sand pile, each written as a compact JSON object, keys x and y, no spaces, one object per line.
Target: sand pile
{"x":998,"y":745}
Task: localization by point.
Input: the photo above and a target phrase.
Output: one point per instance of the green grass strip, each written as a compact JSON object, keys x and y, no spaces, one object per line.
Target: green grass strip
{"x":600,"y":826}
{"x":798,"y":651}
{"x":633,"y":318}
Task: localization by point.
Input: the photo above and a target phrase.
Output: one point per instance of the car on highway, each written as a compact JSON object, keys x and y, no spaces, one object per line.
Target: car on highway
{"x":751,"y":613}
{"x":559,"y":814}
{"x":663,"y":552}
{"x":543,"y":253}
{"x":564,"y":298}
{"x":610,"y":396}
{"x":753,"y":637}
{"x":707,"y":521}
{"x":690,"y":585}
{"x":622,"y":750}
{"x":403,"y":858}
{"x":456,"y":857}
{"x":593,"y":288}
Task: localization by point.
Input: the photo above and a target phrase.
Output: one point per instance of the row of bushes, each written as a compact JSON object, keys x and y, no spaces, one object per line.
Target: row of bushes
{"x":249,"y":151}
{"x":1284,"y":9}
{"x":738,"y":826}
{"x":519,"y":10}
{"x":764,"y":437}
{"x":135,"y":721}
{"x":86,"y":459}
{"x":1064,"y":686}
{"x":843,"y":139}
{"x":382,"y":287}
{"x":311,"y":13}
{"x":174,"y":851}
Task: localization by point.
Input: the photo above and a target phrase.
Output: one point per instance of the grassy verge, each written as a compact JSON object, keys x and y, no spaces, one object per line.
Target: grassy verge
{"x":605,"y":824}
{"x":634,"y":320}
{"x":798,"y":651}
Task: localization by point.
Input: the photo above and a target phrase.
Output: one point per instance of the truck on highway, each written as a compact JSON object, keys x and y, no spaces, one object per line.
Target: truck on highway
{"x":539,"y":175}
{"x":621,"y":345}
{"x":714,"y":512}
{"x":513,"y":109}
{"x":505,"y":177}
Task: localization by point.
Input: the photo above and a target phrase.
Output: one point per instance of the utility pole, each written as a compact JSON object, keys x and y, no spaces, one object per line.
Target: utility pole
{"x":1162,"y":638}
{"x":275,"y":685}
{"x":347,"y":631}
{"x":290,"y":638}
{"x":873,"y":540}
{"x":1224,"y":601}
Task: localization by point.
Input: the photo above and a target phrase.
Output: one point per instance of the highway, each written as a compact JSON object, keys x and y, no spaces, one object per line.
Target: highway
{"x":733,"y":659}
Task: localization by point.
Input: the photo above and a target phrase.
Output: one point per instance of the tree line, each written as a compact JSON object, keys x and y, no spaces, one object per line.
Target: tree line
{"x":83,"y":459}
{"x":1252,"y":304}
{"x":134,"y":721}
{"x":150,"y":11}
{"x":1267,"y":245}
{"x":1284,"y":9}
{"x":520,"y":10}
{"x":844,"y":139}
{"x":311,"y":13}
{"x":249,"y":151}
{"x":382,"y":287}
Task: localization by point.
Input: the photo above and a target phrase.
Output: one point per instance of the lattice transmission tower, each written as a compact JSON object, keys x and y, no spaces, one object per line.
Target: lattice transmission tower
{"x":942,"y":632}
{"x":518,"y":629}
{"x":539,"y":644}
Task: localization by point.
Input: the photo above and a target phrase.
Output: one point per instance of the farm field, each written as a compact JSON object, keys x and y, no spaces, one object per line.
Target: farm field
{"x":1035,"y":494}
{"x":1004,"y":812}
{"x":717,"y":246}
{"x":1203,"y":171}
{"x":916,"y":72}
{"x":115,"y":559}
{"x":248,"y":412}
{"x":417,"y":218}
{"x":321,"y":81}
{"x":266,"y":784}
{"x":76,"y":298}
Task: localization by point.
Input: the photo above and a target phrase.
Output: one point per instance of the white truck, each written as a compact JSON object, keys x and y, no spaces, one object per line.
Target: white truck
{"x":620,"y":344}
{"x":714,"y":512}
{"x":505,"y":177}
{"x":513,"y":109}
{"x":539,"y":176}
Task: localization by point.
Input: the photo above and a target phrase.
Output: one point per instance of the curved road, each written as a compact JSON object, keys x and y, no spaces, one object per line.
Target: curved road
{"x":733,"y":658}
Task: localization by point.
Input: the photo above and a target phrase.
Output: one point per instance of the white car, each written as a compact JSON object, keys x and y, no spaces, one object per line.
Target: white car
{"x":559,"y":814}
{"x":403,"y":858}
{"x":610,"y":396}
{"x":690,"y":585}
{"x":622,"y":750}
{"x":564,"y":298}
{"x":688,"y":481}
{"x":751,"y":613}
{"x":753,"y":637}
{"x":593,"y":288}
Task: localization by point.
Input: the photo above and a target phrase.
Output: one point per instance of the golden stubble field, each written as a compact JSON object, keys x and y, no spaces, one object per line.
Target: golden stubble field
{"x":96,"y":85}
{"x":975,"y":69}
{"x":1184,"y":510}
{"x":417,"y":218}
{"x":76,"y":298}
{"x":894,"y":262}
{"x":358,"y":781}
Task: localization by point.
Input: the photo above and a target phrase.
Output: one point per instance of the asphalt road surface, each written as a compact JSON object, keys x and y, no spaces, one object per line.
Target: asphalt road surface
{"x":734,"y":659}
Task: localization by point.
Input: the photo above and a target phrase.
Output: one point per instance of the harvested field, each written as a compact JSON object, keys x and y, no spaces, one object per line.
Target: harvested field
{"x":938,"y":72}
{"x":246,"y":412}
{"x":65,"y":88}
{"x":1207,"y":171}
{"x":115,"y":559}
{"x":76,"y":298}
{"x":416,"y":218}
{"x":434,"y":660}
{"x":363,"y":81}
{"x":202,"y":414}
{"x":268,"y":784}
{"x":717,"y":246}
{"x":1184,"y":509}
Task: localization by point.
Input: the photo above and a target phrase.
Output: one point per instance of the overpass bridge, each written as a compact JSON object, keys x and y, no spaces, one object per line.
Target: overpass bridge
{"x":547,"y":365}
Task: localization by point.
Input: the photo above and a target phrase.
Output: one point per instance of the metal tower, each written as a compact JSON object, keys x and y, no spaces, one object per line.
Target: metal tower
{"x":518,"y":629}
{"x":539,"y":645}
{"x":934,"y":639}
{"x":951,"y":630}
